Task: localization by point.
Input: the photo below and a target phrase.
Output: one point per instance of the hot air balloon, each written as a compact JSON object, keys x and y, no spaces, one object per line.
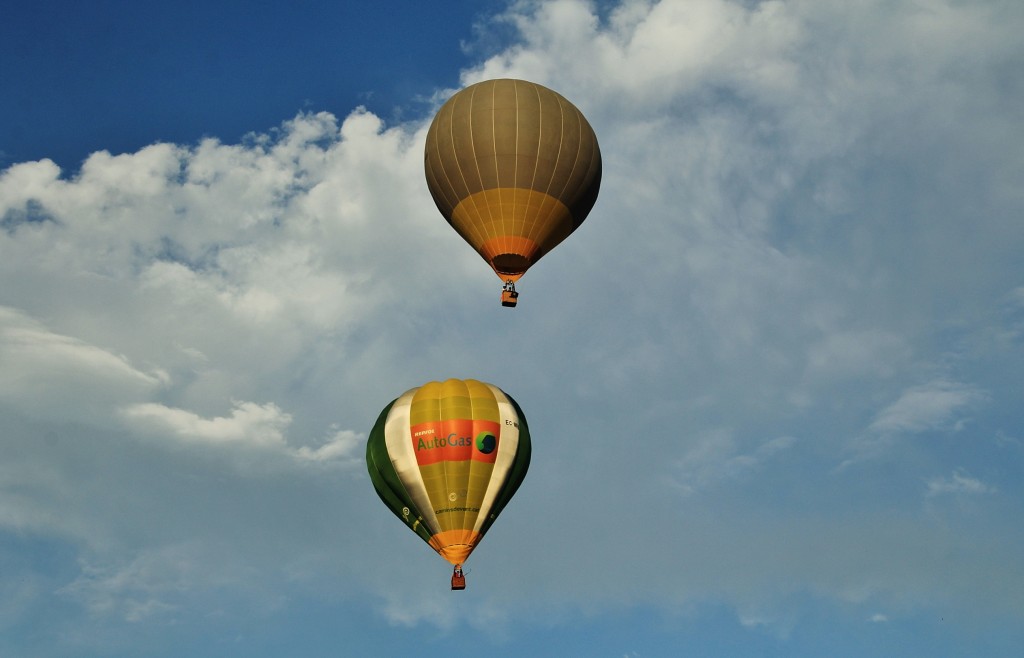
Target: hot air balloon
{"x":515,"y":168}
{"x":446,"y":458}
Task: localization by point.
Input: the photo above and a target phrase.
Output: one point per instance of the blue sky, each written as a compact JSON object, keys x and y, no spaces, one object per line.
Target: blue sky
{"x":773,"y":381}
{"x":118,"y":76}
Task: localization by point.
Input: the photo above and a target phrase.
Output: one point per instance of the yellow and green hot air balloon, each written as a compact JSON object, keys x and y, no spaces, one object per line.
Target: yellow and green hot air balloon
{"x":515,"y":168}
{"x":446,"y":458}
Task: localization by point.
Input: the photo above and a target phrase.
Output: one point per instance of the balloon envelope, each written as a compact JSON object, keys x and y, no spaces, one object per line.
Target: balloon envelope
{"x":514,"y":167}
{"x":446,"y":458}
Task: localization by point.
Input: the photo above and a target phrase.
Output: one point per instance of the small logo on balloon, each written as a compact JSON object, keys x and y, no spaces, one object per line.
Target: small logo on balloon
{"x":486,"y":442}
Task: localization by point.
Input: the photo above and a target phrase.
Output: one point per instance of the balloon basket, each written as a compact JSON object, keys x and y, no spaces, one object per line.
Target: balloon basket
{"x":509,"y":296}
{"x":458,"y":582}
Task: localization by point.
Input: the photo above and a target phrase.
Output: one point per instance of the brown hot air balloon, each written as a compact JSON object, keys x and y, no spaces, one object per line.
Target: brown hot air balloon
{"x":514,"y":167}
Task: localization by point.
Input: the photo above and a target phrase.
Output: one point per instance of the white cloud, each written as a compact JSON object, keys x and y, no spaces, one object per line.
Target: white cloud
{"x":805,"y":206}
{"x":59,"y":376}
{"x":156,"y":583}
{"x":940,"y":405}
{"x":249,"y":427}
{"x":932,"y":406}
{"x":650,"y":52}
{"x":344,"y":445}
{"x":958,"y":483}
{"x":714,"y":459}
{"x":856,"y":353}
{"x":255,"y":424}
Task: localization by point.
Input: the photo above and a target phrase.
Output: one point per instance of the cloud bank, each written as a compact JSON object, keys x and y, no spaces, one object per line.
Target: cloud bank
{"x":807,"y":235}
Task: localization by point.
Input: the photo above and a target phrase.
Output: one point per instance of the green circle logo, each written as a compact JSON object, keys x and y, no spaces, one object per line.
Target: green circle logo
{"x":486,"y":442}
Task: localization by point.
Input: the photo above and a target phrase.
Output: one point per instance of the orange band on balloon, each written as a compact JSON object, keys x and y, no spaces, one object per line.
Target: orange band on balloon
{"x":455,"y":545}
{"x":509,"y":255}
{"x":508,"y":244}
{"x":511,"y":228}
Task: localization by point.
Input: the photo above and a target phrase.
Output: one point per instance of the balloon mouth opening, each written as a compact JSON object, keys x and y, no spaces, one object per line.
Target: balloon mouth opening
{"x":510,"y":265}
{"x":456,"y":554}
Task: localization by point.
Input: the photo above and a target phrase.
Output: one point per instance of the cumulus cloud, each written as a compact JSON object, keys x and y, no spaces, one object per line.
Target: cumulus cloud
{"x":932,"y":406}
{"x":195,"y":259}
{"x":342,"y":445}
{"x":939,"y":406}
{"x":958,"y":483}
{"x":179,"y":303}
{"x":805,"y":206}
{"x":60,"y":376}
{"x":250,"y":427}
{"x":260,"y":425}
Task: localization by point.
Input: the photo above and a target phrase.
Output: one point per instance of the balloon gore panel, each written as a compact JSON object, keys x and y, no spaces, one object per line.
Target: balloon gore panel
{"x":446,"y":458}
{"x":514,"y":167}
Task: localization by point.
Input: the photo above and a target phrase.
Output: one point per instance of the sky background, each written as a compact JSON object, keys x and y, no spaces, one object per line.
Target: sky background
{"x":774,"y":381}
